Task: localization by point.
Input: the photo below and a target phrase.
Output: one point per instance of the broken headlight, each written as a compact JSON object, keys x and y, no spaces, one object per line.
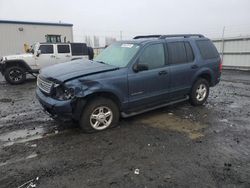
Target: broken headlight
{"x":62,"y":93}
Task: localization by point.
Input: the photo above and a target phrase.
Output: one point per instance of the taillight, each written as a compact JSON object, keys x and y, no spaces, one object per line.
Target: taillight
{"x":220,"y":66}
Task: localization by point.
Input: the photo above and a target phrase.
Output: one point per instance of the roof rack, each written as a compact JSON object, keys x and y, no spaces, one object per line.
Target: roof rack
{"x":147,"y":36}
{"x":169,"y":36}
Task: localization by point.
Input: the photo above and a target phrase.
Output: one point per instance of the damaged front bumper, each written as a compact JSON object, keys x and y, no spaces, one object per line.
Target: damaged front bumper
{"x":56,"y":108}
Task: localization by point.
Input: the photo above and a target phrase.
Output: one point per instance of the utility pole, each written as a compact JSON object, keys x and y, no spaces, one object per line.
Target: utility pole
{"x":222,"y":43}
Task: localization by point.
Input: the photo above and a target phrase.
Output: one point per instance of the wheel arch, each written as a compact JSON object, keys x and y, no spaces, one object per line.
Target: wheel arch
{"x":104,"y":94}
{"x":205,"y":74}
{"x":18,"y":62}
{"x":81,"y":102}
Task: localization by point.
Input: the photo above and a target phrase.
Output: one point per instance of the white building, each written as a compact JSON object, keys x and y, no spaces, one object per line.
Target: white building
{"x":15,"y":34}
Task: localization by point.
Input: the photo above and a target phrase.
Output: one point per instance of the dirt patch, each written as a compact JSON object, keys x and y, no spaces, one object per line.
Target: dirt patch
{"x":172,"y":122}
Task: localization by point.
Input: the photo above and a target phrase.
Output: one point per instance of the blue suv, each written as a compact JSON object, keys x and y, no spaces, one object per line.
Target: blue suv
{"x":130,"y":77}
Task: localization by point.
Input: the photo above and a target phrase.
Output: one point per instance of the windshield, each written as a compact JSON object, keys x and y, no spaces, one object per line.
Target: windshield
{"x":118,"y":54}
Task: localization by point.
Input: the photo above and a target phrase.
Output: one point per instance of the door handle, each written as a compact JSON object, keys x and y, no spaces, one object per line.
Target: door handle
{"x":194,"y":67}
{"x":53,"y":56}
{"x":163,"y":72}
{"x":67,"y":56}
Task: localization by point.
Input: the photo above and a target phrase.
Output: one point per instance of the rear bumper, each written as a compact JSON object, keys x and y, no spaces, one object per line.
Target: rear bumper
{"x":60,"y":109}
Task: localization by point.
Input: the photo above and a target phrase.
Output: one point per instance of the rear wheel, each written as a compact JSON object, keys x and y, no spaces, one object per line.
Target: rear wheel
{"x":199,"y":92}
{"x":15,"y":75}
{"x":99,"y":114}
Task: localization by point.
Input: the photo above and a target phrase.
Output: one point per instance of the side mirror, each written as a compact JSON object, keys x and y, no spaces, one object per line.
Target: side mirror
{"x":38,"y":53}
{"x":140,"y":67}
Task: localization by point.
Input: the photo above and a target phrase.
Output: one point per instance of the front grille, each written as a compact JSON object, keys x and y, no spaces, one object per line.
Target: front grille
{"x":44,"y":85}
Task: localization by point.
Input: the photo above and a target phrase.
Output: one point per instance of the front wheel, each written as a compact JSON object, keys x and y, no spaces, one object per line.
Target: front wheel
{"x":199,"y":92}
{"x":99,"y":114}
{"x":15,"y":75}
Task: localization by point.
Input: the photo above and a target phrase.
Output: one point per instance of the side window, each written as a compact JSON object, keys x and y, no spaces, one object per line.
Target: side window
{"x":189,"y":51}
{"x":79,"y":49}
{"x":63,"y":49}
{"x":46,"y":49}
{"x":153,"y":56}
{"x":177,"y":52}
{"x":207,"y":49}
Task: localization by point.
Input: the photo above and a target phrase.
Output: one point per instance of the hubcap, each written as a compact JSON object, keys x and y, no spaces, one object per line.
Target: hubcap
{"x":15,"y":75}
{"x":201,"y":92}
{"x":101,"y":118}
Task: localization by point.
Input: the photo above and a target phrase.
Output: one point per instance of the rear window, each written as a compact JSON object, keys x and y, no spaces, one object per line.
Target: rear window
{"x":177,"y":52}
{"x":79,"y":49}
{"x":207,"y":49}
{"x":189,"y":51}
{"x":63,"y":49}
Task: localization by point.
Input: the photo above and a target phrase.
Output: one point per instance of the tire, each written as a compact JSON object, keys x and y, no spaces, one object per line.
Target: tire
{"x":199,"y":92}
{"x":15,"y":75}
{"x":98,"y":115}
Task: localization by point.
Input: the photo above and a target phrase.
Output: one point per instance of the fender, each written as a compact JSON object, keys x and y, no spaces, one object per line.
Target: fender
{"x":94,"y":89}
{"x":97,"y":87}
{"x":17,"y":62}
{"x":202,"y":71}
{"x":90,"y":88}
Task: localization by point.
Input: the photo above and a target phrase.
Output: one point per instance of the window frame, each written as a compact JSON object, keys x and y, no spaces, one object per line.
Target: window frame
{"x":63,"y":52}
{"x":47,"y":45}
{"x":206,"y":59}
{"x":184,"y":43}
{"x":192,"y":50}
{"x":148,"y":45}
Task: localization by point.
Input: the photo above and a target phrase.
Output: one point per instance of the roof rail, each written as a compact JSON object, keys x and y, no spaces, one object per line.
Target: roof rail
{"x":147,"y":36}
{"x":181,"y":35}
{"x":169,"y":36}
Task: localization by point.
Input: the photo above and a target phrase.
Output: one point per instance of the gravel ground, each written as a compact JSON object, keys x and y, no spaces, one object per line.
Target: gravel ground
{"x":176,"y":146}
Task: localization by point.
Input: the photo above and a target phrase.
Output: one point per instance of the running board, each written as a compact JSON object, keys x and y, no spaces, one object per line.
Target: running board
{"x":125,"y":115}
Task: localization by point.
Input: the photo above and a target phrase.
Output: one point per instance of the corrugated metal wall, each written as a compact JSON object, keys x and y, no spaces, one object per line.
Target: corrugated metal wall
{"x":234,"y":51}
{"x":12,"y":40}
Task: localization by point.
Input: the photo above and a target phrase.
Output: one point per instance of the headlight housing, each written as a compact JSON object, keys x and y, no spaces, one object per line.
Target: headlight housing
{"x":62,"y":93}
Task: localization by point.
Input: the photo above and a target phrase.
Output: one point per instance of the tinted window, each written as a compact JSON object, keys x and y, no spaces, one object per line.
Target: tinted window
{"x":63,"y":49}
{"x":177,"y":52}
{"x":79,"y":49}
{"x":207,"y":49}
{"x":189,"y":52}
{"x":153,"y":56}
{"x":46,"y":49}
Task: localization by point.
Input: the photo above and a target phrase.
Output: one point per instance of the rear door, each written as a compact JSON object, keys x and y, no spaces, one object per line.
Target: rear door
{"x":63,"y":53}
{"x":149,"y":87}
{"x":182,"y":68}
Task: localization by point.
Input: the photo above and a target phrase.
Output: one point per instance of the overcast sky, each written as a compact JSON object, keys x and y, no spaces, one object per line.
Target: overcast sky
{"x":108,"y":17}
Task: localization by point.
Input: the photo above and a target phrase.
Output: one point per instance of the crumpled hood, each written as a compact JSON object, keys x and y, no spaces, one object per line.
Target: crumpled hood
{"x":67,"y":71}
{"x":18,"y":56}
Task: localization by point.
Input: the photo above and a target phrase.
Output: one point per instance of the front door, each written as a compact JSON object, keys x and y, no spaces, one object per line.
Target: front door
{"x":149,"y":87}
{"x":46,"y":56}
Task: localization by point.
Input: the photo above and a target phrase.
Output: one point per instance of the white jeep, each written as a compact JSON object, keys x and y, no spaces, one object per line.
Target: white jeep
{"x":15,"y":67}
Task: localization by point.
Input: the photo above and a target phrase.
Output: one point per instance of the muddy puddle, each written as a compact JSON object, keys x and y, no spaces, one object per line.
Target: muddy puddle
{"x":11,"y":161}
{"x":23,"y":135}
{"x":169,"y":121}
